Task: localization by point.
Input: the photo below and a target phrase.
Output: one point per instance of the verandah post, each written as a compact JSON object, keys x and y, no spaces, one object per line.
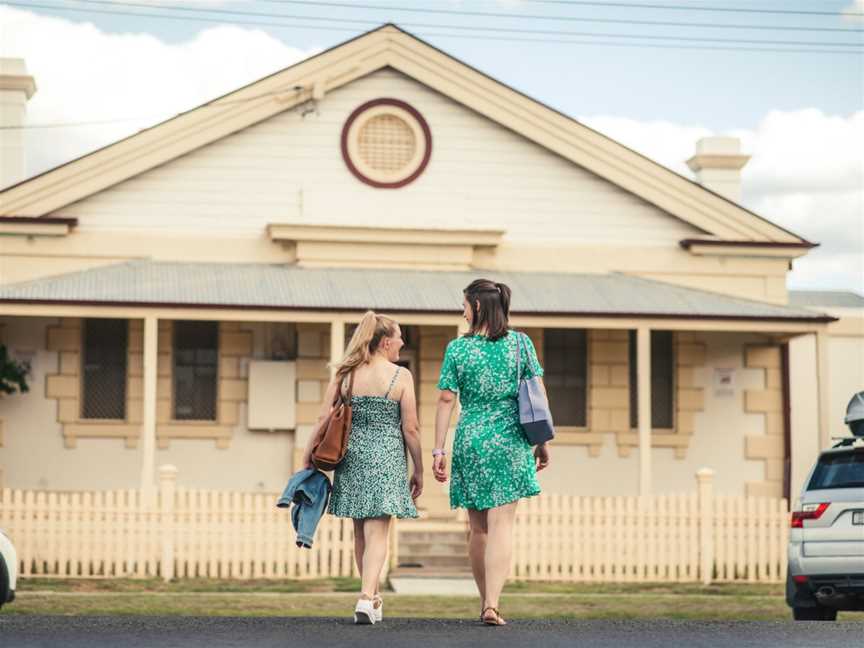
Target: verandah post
{"x":705,"y":485}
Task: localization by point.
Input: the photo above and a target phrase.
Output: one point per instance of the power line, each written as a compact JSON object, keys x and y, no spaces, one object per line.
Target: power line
{"x":216,"y":103}
{"x":523,"y":16}
{"x":473,"y":29}
{"x":593,"y":43}
{"x":634,"y":5}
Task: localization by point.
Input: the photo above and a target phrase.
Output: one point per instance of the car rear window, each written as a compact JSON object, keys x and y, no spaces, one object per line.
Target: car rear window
{"x":841,"y":470}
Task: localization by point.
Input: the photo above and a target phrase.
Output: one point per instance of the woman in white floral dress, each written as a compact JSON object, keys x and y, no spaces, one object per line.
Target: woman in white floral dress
{"x":493,"y":466}
{"x":371,"y":483}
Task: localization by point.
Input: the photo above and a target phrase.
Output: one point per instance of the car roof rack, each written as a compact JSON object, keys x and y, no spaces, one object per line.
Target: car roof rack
{"x":848,"y":442}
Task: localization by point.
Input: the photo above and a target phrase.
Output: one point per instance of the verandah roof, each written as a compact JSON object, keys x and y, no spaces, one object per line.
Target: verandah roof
{"x":288,"y":287}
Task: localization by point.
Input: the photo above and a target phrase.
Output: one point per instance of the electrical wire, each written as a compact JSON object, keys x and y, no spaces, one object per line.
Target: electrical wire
{"x":669,"y":7}
{"x":524,"y":16}
{"x":466,"y":28}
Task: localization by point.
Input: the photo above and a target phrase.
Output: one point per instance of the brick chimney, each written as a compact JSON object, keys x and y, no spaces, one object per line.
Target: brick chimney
{"x":717,"y":164}
{"x":16,"y":88}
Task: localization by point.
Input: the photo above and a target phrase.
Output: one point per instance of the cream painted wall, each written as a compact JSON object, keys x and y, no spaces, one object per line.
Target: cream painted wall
{"x":558,"y":216}
{"x":33,"y":455}
{"x":290,"y":168}
{"x":804,"y":409}
{"x":718,"y":442}
{"x":846,"y":377}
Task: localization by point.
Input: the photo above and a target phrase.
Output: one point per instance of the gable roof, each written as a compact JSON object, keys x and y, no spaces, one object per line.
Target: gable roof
{"x":389,"y":46}
{"x":176,"y":284}
{"x":826,"y":298}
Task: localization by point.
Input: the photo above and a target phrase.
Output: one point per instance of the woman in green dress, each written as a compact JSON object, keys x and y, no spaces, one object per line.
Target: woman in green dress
{"x":493,"y":465}
{"x":371,"y":483}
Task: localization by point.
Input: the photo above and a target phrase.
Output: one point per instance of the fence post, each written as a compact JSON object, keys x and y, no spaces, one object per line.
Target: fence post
{"x":705,"y":484}
{"x":167,"y":489}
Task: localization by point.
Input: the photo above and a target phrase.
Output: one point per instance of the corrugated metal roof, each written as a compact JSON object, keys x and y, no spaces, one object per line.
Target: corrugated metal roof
{"x":290,"y":287}
{"x":826,"y":298}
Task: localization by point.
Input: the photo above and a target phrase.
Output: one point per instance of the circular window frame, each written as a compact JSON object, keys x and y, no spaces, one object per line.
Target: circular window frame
{"x":350,"y":143}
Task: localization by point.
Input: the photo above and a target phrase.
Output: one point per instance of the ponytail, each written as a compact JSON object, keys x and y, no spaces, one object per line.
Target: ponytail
{"x":504,"y":295}
{"x":367,"y":337}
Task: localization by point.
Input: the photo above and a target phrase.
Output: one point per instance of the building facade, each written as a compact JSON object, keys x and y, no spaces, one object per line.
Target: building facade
{"x":179,"y":294}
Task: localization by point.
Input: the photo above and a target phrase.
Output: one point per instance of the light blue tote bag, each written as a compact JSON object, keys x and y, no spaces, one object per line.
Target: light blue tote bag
{"x":534,"y":414}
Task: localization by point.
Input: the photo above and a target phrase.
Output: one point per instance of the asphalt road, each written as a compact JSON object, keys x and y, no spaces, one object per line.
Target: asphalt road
{"x":26,"y":631}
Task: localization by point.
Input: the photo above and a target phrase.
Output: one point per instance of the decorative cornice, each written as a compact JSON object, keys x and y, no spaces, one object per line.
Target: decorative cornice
{"x":22,"y":82}
{"x":714,"y":161}
{"x":36,"y":225}
{"x":719,"y":247}
{"x":290,"y":232}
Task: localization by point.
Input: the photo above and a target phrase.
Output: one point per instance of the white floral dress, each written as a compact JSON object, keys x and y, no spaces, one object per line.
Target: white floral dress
{"x":492,"y":460}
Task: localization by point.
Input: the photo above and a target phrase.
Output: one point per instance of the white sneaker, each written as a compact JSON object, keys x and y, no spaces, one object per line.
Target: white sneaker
{"x":379,"y":611}
{"x":364,"y":612}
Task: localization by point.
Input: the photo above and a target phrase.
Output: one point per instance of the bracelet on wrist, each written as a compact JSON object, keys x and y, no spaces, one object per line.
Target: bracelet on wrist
{"x":439,"y":452}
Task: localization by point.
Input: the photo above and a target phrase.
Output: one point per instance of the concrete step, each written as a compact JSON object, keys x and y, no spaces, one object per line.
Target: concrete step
{"x":426,"y":548}
{"x":432,"y":537}
{"x":431,"y":572}
{"x":448,"y":585}
{"x":434,"y":562}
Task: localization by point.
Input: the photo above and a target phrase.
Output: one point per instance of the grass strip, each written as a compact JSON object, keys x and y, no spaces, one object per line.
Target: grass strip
{"x":516,"y":606}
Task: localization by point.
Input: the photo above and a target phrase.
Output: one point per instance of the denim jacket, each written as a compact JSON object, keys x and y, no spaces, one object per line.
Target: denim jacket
{"x":309,"y":491}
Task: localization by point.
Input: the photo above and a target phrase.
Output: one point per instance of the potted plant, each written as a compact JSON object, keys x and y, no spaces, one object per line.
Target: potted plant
{"x":13,"y":374}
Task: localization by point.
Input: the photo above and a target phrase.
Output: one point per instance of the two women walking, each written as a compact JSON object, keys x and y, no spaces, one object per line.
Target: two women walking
{"x":493,"y":465}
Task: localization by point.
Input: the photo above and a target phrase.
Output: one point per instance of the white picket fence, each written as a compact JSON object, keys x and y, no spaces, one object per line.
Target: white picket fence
{"x":186,"y":533}
{"x":695,"y":536}
{"x":181,"y":534}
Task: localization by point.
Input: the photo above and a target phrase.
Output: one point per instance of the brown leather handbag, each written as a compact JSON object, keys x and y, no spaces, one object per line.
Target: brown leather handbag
{"x":330,"y":450}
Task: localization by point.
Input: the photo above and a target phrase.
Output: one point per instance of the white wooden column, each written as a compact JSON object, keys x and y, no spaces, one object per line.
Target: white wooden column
{"x":643,"y":392}
{"x":337,"y":344}
{"x":148,"y":429}
{"x":824,"y":389}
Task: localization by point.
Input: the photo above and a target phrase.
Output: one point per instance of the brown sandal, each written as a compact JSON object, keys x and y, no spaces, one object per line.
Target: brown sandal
{"x":497,"y":621}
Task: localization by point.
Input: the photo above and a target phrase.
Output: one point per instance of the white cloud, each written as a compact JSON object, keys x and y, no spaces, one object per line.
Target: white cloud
{"x":854,"y":12}
{"x":806,"y":174}
{"x":86,"y":75}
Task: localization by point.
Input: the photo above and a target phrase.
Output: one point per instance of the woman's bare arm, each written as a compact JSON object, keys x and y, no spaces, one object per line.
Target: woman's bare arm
{"x":411,"y":431}
{"x":443,"y":414}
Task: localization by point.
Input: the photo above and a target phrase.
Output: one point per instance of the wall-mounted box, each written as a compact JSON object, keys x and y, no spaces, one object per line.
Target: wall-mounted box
{"x":271,"y":395}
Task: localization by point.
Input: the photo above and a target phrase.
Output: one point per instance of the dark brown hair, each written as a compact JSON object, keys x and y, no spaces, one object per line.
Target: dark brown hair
{"x":490,"y":307}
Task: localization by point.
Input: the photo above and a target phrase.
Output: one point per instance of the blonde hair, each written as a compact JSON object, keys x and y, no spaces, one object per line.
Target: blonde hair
{"x":367,"y":337}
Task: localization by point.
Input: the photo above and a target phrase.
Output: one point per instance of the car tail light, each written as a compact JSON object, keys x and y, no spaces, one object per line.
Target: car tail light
{"x":808,"y":512}
{"x":801,"y":579}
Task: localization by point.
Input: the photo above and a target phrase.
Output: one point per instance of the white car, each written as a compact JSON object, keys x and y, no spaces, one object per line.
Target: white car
{"x":8,"y":569}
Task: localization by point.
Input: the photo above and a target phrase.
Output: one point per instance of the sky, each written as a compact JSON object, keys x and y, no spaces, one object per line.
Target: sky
{"x":790,"y":85}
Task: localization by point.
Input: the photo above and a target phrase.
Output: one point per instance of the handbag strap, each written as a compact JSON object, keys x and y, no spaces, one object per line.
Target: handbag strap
{"x":347,"y":397}
{"x":518,"y":359}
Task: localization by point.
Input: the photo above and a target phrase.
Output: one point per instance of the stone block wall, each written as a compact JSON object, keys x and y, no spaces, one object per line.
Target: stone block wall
{"x":768,"y":401}
{"x":313,"y":376}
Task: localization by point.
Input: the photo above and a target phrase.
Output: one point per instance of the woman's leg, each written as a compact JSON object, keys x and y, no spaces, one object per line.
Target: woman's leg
{"x":359,"y":545}
{"x":376,"y":536}
{"x":499,"y":549}
{"x":477,"y":535}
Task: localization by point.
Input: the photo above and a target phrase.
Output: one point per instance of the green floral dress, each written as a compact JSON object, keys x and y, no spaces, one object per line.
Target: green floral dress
{"x":493,"y":463}
{"x":372,"y":479}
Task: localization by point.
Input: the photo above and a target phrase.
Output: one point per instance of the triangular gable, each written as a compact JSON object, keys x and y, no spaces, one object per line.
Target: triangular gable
{"x":389,"y":46}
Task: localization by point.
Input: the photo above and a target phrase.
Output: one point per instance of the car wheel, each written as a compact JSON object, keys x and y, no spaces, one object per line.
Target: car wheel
{"x":817,"y":613}
{"x":4,"y":582}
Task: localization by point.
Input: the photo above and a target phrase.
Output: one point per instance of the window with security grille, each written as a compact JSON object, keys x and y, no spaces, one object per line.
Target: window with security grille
{"x":662,"y":380}
{"x":104,"y":357}
{"x":195,"y":371}
{"x":565,"y":366}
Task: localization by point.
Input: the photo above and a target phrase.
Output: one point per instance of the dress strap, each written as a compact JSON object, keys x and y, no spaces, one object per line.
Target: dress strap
{"x":393,"y":381}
